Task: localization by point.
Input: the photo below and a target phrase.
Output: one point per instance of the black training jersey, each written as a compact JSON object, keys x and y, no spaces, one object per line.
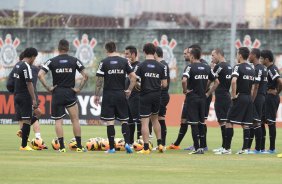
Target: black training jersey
{"x":114,"y":70}
{"x":245,"y":78}
{"x":168,"y":76}
{"x":261,"y":78}
{"x":151,"y":72}
{"x":22,"y":75}
{"x":127,"y":81}
{"x":63,"y":68}
{"x":223,"y":72}
{"x":198,"y":75}
{"x":272,"y":76}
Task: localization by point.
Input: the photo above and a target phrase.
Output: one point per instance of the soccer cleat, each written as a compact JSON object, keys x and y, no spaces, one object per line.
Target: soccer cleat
{"x":128,"y":148}
{"x":279,"y":155}
{"x":110,"y":151}
{"x":197,"y":152}
{"x":144,"y":151}
{"x":206,"y":149}
{"x":243,"y":152}
{"x":254,"y":152}
{"x":190,"y":148}
{"x":264,"y":152}
{"x":224,"y":152}
{"x":62,"y":150}
{"x":218,"y":149}
{"x":173,"y":147}
{"x":80,"y":150}
{"x":271,"y":151}
{"x":27,"y":148}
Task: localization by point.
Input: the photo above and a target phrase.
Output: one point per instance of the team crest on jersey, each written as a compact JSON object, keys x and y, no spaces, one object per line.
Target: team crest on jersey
{"x":247,"y":43}
{"x":168,"y":54}
{"x":8,"y":53}
{"x":84,"y":49}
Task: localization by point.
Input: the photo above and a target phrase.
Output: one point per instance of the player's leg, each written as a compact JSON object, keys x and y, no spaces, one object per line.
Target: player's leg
{"x":145,"y":134}
{"x":162,"y":113}
{"x":60,"y":134}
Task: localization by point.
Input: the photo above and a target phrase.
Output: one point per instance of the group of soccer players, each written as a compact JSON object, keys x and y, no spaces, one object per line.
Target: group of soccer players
{"x":136,"y":93}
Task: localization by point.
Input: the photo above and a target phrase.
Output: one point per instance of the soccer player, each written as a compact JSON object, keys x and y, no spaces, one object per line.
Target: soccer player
{"x":194,"y":83}
{"x":259,"y":92}
{"x":10,"y":87}
{"x":164,"y":95}
{"x":134,"y":99}
{"x":112,"y":72}
{"x":222,"y":71}
{"x":241,"y":110}
{"x":272,"y":99}
{"x":153,"y":76}
{"x":183,"y":124}
{"x":25,"y":98}
{"x":63,"y":68}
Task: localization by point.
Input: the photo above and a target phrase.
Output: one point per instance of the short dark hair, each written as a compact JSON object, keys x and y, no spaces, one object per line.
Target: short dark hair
{"x":244,"y":52}
{"x":196,"y":53}
{"x":64,"y":45}
{"x":29,"y":52}
{"x":21,"y":56}
{"x":159,"y":52}
{"x":256,"y":52}
{"x":219,"y":51}
{"x":267,"y":54}
{"x":195,"y":46}
{"x":111,"y":47}
{"x":131,"y":49}
{"x":149,"y":48}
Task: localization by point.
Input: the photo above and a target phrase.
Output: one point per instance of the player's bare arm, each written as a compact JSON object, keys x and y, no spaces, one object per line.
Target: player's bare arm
{"x":213,"y":88}
{"x":32,"y":94}
{"x":234,"y":88}
{"x":82,"y":83}
{"x":98,"y":87}
{"x":254,"y":92}
{"x":41,"y":76}
{"x":132,"y":76}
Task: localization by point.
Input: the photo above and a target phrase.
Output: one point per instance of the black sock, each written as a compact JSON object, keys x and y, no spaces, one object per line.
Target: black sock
{"x":159,"y":141}
{"x":272,"y":136}
{"x":229,"y":134}
{"x":146,"y":146}
{"x":33,"y":120}
{"x":25,"y":133}
{"x":125,"y":132}
{"x":150,"y":127}
{"x":203,"y":135}
{"x":163,"y":131}
{"x":111,"y":135}
{"x":252,"y":135}
{"x":222,"y":127}
{"x":258,"y":135}
{"x":78,"y":141}
{"x":263,"y":135}
{"x":61,"y":141}
{"x":195,"y":136}
{"x":139,"y":126}
{"x":131,"y":126}
{"x":246,"y":138}
{"x":182,"y":131}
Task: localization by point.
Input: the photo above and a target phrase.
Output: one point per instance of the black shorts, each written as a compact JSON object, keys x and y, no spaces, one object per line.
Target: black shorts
{"x":114,"y":106}
{"x":207,"y":109}
{"x":149,"y":104}
{"x":62,"y":98}
{"x":258,"y":107}
{"x":271,"y":107}
{"x":241,"y":110}
{"x":134,"y":108}
{"x":195,"y":109}
{"x":23,"y":106}
{"x":164,"y":101}
{"x":221,"y":106}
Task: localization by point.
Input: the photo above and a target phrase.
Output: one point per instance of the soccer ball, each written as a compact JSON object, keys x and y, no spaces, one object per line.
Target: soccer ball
{"x":55,"y":144}
{"x":99,"y":140}
{"x":37,"y":144}
{"x":92,"y":144}
{"x":139,"y":144}
{"x":104,"y":144}
{"x":119,"y":144}
{"x":73,"y":144}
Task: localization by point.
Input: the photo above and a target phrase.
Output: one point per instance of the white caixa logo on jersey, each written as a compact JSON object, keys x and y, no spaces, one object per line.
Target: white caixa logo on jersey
{"x":8,"y":53}
{"x":168,"y":54}
{"x":84,"y":49}
{"x":247,"y":43}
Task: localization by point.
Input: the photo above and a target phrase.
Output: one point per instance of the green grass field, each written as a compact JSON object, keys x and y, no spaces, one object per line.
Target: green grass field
{"x":49,"y":166}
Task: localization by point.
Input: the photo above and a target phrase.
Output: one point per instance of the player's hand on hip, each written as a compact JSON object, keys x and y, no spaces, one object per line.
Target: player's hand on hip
{"x":96,"y":100}
{"x":127,"y":93}
{"x":185,"y":92}
{"x":51,"y":88}
{"x":76,"y":90}
{"x":234,"y":97}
